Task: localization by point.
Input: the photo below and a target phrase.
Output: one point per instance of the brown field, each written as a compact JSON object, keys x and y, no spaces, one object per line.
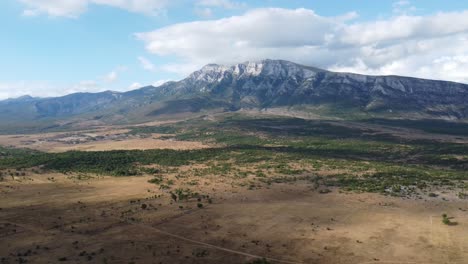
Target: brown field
{"x":81,"y":218}
{"x":51,"y":217}
{"x":132,"y":144}
{"x":102,"y":139}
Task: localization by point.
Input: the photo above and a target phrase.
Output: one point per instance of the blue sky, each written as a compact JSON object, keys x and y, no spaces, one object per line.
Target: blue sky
{"x":49,"y":48}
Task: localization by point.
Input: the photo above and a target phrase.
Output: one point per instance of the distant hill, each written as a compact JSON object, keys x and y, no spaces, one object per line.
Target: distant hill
{"x":253,"y":85}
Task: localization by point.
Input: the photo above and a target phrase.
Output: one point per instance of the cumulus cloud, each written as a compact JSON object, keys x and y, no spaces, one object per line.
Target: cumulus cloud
{"x":134,"y":86}
{"x":204,"y":8}
{"x":239,"y":38}
{"x":204,"y":12}
{"x":227,"y":4}
{"x":111,"y":77}
{"x":146,"y":64}
{"x":74,"y":8}
{"x":420,"y":46}
{"x":114,"y":74}
{"x":71,"y":8}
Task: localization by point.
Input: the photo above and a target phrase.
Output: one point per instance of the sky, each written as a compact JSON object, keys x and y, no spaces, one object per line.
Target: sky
{"x":57,"y":47}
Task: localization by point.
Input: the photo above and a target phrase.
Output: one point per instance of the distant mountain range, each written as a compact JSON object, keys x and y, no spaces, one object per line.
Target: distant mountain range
{"x":253,"y":85}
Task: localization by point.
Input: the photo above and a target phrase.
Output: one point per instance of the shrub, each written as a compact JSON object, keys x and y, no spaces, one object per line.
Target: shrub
{"x":446,"y":220}
{"x":173,"y":197}
{"x":156,"y":180}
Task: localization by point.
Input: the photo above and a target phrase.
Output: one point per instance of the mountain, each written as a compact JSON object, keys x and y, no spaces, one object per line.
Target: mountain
{"x":273,"y":83}
{"x":254,"y":85}
{"x":20,"y":99}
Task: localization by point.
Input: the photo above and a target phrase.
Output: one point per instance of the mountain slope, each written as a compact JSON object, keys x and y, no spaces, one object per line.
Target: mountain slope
{"x":258,"y":85}
{"x":281,"y":83}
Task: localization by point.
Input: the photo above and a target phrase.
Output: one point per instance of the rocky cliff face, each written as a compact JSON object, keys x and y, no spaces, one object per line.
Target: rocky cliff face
{"x":271,"y":83}
{"x":263,"y":84}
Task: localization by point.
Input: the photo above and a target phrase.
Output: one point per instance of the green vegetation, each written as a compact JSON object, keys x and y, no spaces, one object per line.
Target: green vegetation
{"x":184,"y":194}
{"x":156,"y":180}
{"x":13,"y":152}
{"x":116,"y":163}
{"x":278,"y":150}
{"x":447,"y":220}
{"x":430,"y":125}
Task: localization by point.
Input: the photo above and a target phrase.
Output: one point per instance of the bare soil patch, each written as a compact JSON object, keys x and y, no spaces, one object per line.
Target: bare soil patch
{"x":125,"y":220}
{"x":95,"y":140}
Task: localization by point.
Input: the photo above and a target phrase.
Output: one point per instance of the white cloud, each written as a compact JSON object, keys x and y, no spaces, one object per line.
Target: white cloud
{"x":134,"y":86}
{"x":403,"y":7}
{"x":15,"y":89}
{"x":137,"y":85}
{"x":30,"y":12}
{"x":86,"y":85}
{"x":74,"y":8}
{"x":114,"y":74}
{"x":46,"y":89}
{"x":182,"y":69}
{"x":251,"y":36}
{"x":160,"y":82}
{"x":422,"y":46}
{"x":69,"y":8}
{"x":20,"y":88}
{"x":204,"y":12}
{"x":111,"y":77}
{"x":204,"y":8}
{"x":150,"y":7}
{"x":146,"y":64}
{"x":228,"y":4}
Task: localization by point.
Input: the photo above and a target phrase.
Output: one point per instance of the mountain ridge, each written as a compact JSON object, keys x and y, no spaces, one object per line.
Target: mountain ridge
{"x":256,"y":85}
{"x":211,"y":65}
{"x":225,"y":67}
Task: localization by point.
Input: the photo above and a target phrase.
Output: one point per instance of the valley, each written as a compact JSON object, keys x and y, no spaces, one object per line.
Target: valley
{"x":271,"y":86}
{"x":233,"y":132}
{"x":237,"y":188}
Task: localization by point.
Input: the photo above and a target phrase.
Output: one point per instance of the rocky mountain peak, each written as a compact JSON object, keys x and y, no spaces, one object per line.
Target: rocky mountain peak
{"x":263,"y":84}
{"x":272,"y":68}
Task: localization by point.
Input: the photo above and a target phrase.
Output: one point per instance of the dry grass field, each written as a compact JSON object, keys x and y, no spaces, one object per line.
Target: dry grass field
{"x":53,"y":217}
{"x":235,"y":196}
{"x":104,"y":139}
